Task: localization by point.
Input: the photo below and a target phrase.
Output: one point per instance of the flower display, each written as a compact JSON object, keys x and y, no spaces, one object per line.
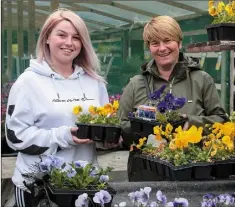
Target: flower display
{"x":106,"y":114}
{"x":76,"y":175}
{"x":142,"y":198}
{"x":181,"y":147}
{"x":222,"y":12}
{"x":163,"y":106}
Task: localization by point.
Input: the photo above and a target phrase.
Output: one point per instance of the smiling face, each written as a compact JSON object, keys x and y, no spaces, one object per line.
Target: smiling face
{"x":165,"y":53}
{"x":64,"y":43}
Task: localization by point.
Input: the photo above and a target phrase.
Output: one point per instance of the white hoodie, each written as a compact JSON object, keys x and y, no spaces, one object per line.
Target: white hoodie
{"x":39,"y":115}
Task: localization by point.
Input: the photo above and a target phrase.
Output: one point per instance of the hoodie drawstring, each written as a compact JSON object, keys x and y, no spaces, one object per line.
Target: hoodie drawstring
{"x":53,"y":80}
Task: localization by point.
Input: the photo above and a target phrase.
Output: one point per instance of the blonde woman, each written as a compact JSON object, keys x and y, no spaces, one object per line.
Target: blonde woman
{"x":163,"y":37}
{"x":39,"y":117}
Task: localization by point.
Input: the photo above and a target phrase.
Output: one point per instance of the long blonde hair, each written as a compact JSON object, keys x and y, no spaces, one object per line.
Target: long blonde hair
{"x":87,"y":57}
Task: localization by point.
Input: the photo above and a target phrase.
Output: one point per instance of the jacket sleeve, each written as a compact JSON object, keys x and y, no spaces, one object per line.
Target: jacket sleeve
{"x":22,"y":134}
{"x":126,"y":106}
{"x":212,"y":106}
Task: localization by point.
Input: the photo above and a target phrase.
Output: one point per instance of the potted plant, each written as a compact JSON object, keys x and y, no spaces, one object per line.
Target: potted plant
{"x":63,"y":182}
{"x":162,"y":108}
{"x":100,"y":124}
{"x":223,"y":25}
{"x":188,"y":155}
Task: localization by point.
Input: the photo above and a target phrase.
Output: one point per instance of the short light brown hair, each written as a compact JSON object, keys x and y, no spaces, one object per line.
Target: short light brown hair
{"x":87,"y":57}
{"x":161,"y":27}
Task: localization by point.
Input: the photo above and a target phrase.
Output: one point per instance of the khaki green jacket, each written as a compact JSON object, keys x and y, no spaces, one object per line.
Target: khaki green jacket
{"x":188,"y":80}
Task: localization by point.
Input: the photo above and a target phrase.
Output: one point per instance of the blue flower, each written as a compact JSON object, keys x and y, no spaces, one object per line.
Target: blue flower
{"x":94,"y":171}
{"x":179,"y":103}
{"x":134,"y":196}
{"x":51,"y":162}
{"x":81,"y":163}
{"x":208,"y":203}
{"x":157,"y":94}
{"x":82,"y":200}
{"x":162,"y":107}
{"x":71,"y":172}
{"x":104,"y":178}
{"x":169,"y":97}
{"x":144,"y":195}
{"x":160,"y":197}
{"x":180,"y":202}
{"x":102,"y":197}
{"x":225,"y":199}
{"x":45,"y":166}
{"x":153,"y":204}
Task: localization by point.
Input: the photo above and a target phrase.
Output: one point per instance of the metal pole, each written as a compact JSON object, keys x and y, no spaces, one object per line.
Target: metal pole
{"x":225,"y":91}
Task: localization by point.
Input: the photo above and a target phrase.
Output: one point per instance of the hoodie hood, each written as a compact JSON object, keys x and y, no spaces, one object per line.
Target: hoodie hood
{"x":45,"y":70}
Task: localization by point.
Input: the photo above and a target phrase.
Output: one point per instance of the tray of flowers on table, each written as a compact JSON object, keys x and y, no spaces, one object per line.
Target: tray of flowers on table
{"x":58,"y":184}
{"x":161,"y":109}
{"x":187,"y":154}
{"x":100,"y":124}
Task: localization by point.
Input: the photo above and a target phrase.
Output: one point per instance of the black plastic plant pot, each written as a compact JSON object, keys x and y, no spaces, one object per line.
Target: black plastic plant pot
{"x":97,"y":133}
{"x":221,"y":31}
{"x":223,"y":169}
{"x":136,"y":125}
{"x":181,"y":174}
{"x":147,"y":129}
{"x":203,"y":172}
{"x":83,"y":131}
{"x":112,"y":134}
{"x":67,"y":198}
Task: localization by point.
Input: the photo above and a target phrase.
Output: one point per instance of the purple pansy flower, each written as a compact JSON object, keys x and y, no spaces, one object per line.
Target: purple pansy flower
{"x":82,"y":200}
{"x":162,"y":107}
{"x":144,"y":195}
{"x":81,"y":163}
{"x":161,"y":197}
{"x":51,"y":162}
{"x":157,"y":94}
{"x":102,"y":197}
{"x":71,"y":172}
{"x":104,"y":178}
{"x":134,"y":196}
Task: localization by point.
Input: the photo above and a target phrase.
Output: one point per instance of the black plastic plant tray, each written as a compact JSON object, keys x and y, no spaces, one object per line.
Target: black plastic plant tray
{"x":99,"y":132}
{"x":145,"y":127}
{"x":223,"y":168}
{"x":221,"y":31}
{"x":193,"y":171}
{"x":66,"y":197}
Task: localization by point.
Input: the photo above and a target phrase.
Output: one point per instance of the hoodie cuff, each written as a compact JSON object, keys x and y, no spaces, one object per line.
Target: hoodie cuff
{"x":68,"y":137}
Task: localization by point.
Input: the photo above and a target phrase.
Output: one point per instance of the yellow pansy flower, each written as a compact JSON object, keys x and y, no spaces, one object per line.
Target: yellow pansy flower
{"x":77,"y":110}
{"x":157,"y":131}
{"x":92,"y":110}
{"x":220,"y":7}
{"x":233,"y":5}
{"x":229,"y":9}
{"x":116,"y":105}
{"x":213,"y":153}
{"x":210,"y":3}
{"x":213,"y":11}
